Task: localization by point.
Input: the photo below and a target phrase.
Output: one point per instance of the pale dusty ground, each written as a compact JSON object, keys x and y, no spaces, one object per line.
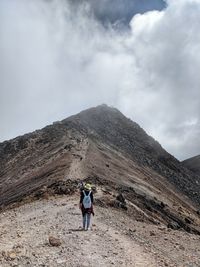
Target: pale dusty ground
{"x":115,"y":239}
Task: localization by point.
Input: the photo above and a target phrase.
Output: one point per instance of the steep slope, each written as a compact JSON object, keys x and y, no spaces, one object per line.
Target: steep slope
{"x":193,"y":164}
{"x":111,"y":127}
{"x":37,"y":159}
{"x":102,"y":146}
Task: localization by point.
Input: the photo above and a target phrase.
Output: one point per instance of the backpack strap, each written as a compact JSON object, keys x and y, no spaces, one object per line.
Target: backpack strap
{"x":85,"y":193}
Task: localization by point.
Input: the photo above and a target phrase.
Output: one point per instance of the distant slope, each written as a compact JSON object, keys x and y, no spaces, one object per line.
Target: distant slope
{"x":193,"y":164}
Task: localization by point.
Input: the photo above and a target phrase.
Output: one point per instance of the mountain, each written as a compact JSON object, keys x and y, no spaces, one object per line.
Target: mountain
{"x":102,"y":146}
{"x":109,"y":126}
{"x":193,"y":164}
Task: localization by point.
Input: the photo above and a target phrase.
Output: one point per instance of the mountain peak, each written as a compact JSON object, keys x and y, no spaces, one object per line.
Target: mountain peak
{"x":110,"y":125}
{"x":99,"y":110}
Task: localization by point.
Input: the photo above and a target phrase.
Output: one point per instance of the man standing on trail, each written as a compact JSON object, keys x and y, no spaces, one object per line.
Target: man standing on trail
{"x":86,"y":205}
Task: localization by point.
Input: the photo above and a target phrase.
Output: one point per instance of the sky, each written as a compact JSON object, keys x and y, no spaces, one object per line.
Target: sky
{"x":58,"y":57}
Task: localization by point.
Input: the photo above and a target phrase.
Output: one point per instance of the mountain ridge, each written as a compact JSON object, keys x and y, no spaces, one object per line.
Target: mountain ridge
{"x":102,"y":146}
{"x":110,"y":126}
{"x":130,"y":138}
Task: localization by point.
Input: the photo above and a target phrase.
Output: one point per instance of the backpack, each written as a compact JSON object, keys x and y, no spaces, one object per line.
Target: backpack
{"x":87,"y":203}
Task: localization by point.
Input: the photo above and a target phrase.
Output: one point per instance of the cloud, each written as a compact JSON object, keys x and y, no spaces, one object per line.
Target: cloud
{"x":165,"y":44}
{"x":121,"y":11}
{"x":57,"y":58}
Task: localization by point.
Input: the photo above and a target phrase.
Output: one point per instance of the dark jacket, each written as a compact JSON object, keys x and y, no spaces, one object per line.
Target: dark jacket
{"x":90,"y":210}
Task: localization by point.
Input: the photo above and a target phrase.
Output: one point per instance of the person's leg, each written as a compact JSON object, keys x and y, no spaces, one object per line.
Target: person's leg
{"x":84,"y":220}
{"x":88,"y":220}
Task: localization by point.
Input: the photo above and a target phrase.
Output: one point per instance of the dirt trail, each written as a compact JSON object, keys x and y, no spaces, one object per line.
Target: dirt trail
{"x":114,"y":240}
{"x":25,"y":232}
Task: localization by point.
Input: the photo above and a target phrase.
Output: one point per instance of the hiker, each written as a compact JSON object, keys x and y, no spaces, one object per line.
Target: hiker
{"x":86,"y":205}
{"x":81,"y":186}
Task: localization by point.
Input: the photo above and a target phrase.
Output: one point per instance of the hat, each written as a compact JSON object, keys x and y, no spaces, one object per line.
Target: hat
{"x":88,"y":186}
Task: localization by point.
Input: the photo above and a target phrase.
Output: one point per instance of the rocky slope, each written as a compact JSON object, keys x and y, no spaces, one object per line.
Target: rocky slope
{"x":102,"y":146}
{"x":111,"y":127}
{"x":193,"y":164}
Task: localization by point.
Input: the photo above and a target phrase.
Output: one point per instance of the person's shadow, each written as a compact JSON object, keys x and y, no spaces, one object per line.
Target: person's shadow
{"x":80,"y":229}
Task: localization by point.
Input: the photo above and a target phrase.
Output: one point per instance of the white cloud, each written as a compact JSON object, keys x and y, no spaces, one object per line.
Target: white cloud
{"x":57,"y":60}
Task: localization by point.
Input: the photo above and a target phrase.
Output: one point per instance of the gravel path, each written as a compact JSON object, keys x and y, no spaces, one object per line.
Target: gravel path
{"x":114,"y":239}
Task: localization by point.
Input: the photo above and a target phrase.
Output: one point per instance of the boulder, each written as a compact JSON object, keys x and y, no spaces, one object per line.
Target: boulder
{"x":55,"y":242}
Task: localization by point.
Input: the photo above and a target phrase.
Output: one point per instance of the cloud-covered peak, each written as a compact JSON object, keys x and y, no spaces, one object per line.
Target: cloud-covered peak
{"x":57,"y":58}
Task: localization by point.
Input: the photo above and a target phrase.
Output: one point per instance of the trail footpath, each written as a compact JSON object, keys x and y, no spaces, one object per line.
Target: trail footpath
{"x":114,"y":239}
